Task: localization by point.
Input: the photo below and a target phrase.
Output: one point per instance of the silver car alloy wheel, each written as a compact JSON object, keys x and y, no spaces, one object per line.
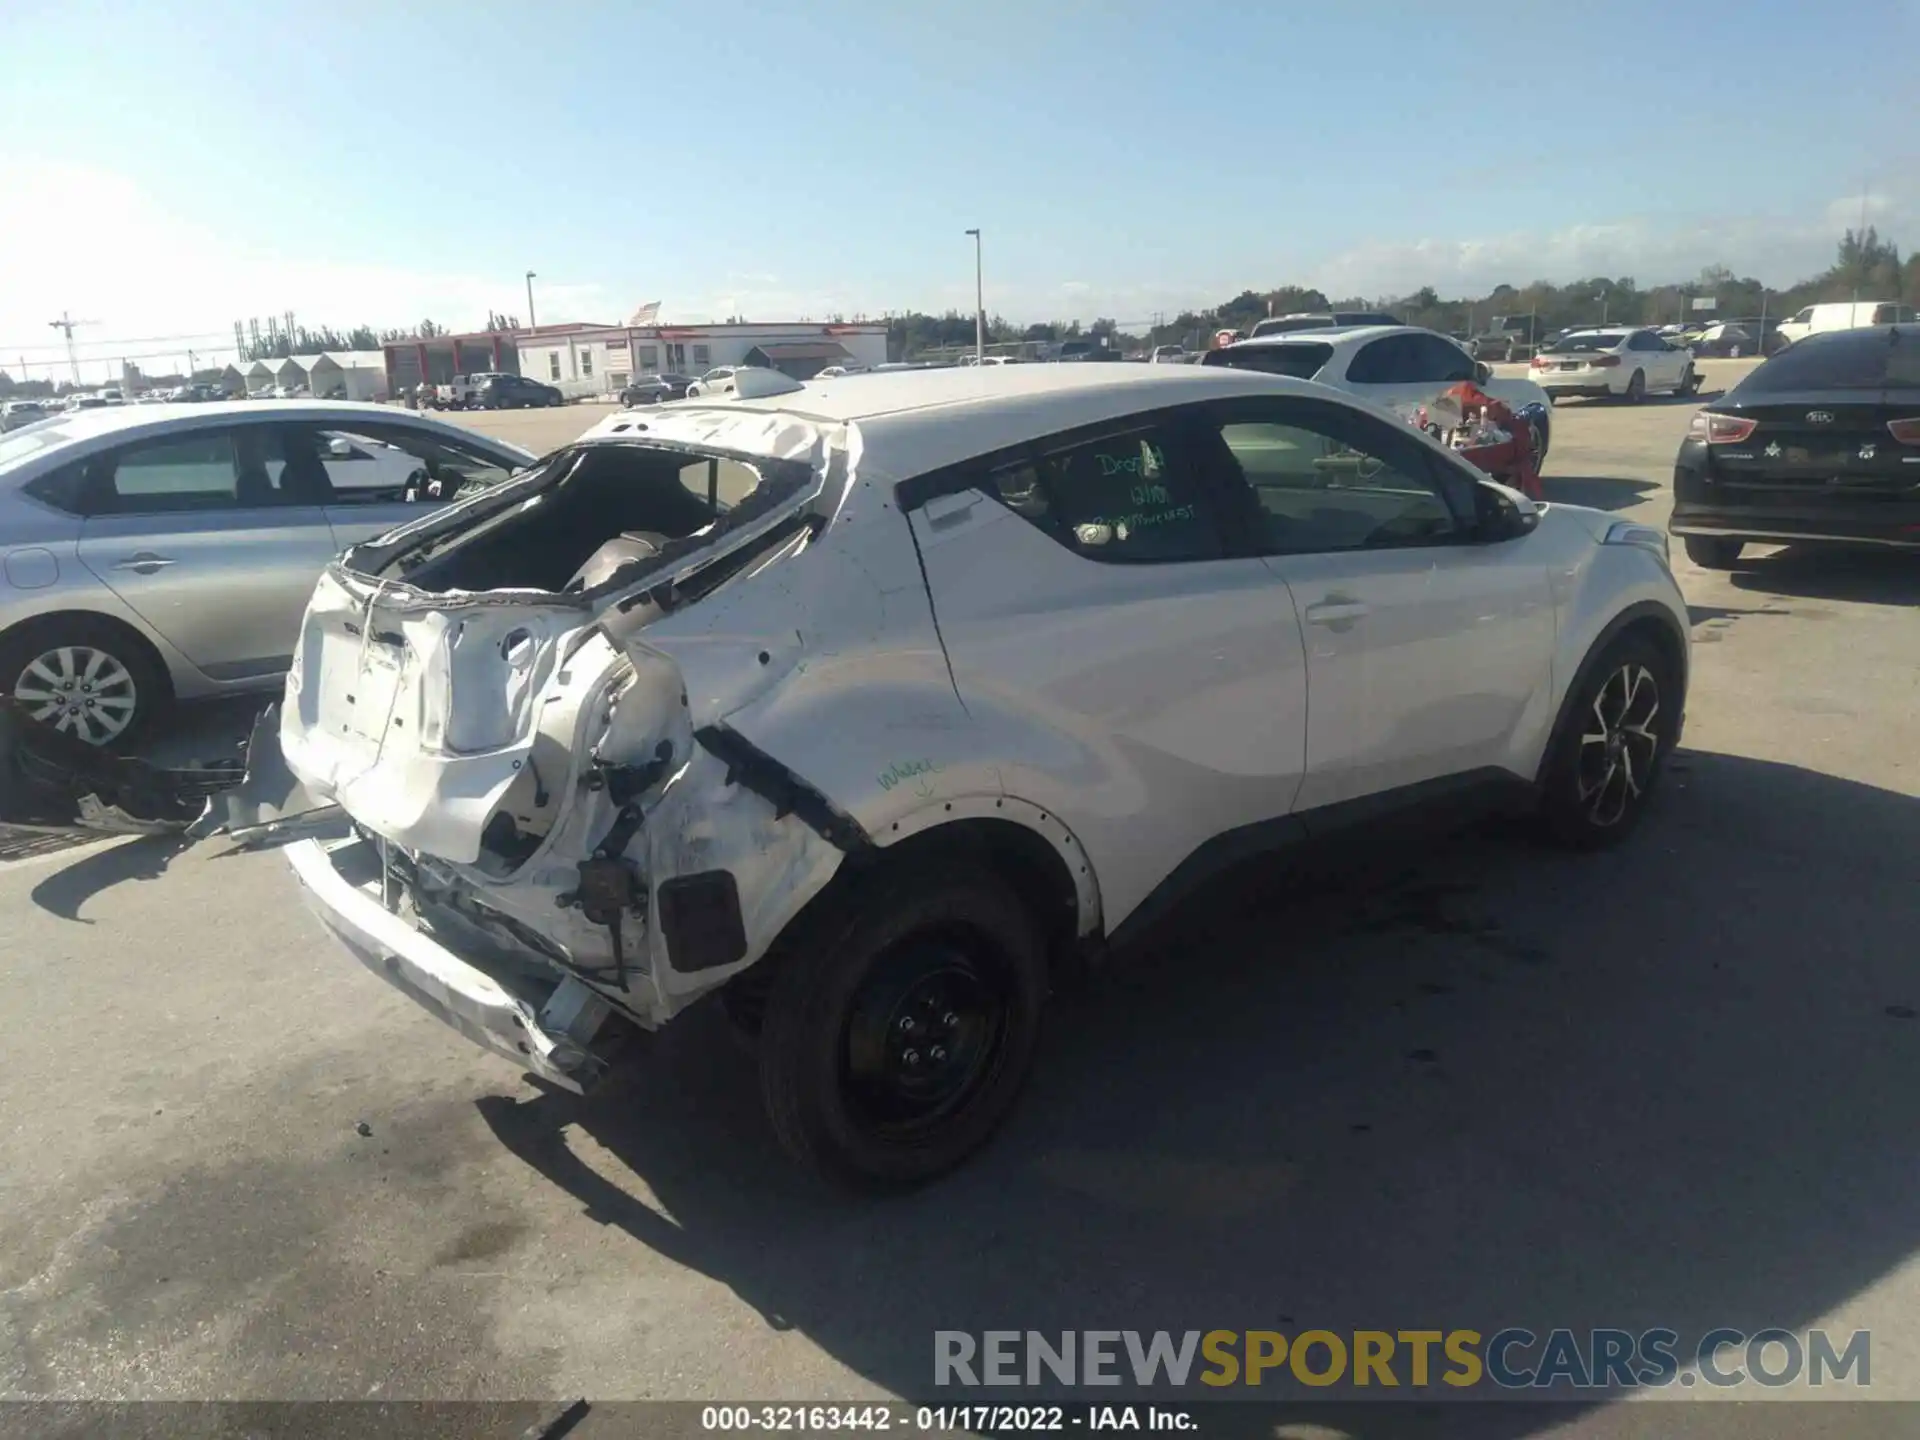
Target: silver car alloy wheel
{"x":80,"y":690}
{"x":1619,"y":745}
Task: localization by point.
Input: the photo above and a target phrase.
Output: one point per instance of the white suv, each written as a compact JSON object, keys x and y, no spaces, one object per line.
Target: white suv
{"x":873,"y":707}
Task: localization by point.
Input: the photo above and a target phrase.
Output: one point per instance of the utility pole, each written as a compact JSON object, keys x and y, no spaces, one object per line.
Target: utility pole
{"x":1860,"y":242}
{"x":531,"y":322}
{"x":979,"y":306}
{"x":65,"y":324}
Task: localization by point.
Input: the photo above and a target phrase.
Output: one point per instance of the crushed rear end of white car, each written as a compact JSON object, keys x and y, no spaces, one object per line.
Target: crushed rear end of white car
{"x":547,"y":821}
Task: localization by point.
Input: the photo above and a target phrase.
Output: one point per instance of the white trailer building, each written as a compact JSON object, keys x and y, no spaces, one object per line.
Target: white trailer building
{"x":600,"y":361}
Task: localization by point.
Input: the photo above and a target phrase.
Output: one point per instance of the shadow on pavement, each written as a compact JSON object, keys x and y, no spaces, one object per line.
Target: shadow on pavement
{"x":1813,"y":572}
{"x":1601,"y":492}
{"x":1698,"y":397}
{"x":1675,"y":1084}
{"x":145,"y":858}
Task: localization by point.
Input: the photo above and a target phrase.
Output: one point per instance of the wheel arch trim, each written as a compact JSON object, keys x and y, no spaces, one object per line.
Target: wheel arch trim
{"x":1636,"y":615}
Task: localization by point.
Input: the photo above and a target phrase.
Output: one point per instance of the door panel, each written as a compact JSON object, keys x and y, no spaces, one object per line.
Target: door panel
{"x":1154,"y":704}
{"x":353,"y":524}
{"x":194,"y":531}
{"x":227,"y":588}
{"x":1420,"y":662}
{"x":1423,"y":648}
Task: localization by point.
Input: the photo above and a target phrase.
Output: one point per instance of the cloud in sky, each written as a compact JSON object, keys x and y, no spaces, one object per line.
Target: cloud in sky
{"x":105,"y":250}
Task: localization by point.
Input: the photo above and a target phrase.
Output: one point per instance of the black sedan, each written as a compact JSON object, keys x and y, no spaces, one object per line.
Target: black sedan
{"x":653,"y":389}
{"x":513,"y":392}
{"x":1820,"y":443}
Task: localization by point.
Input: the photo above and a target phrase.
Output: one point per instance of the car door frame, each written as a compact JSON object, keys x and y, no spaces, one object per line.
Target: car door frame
{"x":100,"y":524}
{"x":1328,"y":800}
{"x":1134,"y":905}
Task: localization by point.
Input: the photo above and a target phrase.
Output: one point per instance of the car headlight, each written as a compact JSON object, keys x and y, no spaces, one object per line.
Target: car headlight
{"x":1646,"y":537}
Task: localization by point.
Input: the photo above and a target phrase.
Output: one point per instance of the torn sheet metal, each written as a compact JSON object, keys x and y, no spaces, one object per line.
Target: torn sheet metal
{"x":50,"y":778}
{"x":270,"y":806}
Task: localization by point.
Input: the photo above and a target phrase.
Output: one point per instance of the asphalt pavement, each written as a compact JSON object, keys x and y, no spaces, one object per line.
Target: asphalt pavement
{"x":1674,"y":1084}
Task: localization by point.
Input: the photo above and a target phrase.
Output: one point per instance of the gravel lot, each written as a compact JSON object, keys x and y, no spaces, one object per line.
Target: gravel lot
{"x":1676,"y":1084}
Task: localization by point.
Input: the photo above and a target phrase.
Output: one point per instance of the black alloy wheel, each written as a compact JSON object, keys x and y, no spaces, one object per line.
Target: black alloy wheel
{"x":1611,"y":746}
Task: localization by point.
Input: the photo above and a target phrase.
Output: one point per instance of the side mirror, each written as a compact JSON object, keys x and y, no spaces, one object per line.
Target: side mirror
{"x":1482,"y":372}
{"x":1502,"y":513}
{"x":339,"y":449}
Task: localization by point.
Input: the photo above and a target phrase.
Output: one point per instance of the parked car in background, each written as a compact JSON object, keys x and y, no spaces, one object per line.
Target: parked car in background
{"x":1397,"y":367}
{"x":1507,"y":337}
{"x":876,"y":707}
{"x":655,"y":389}
{"x":1843,"y":315}
{"x":16,"y":413}
{"x":1627,"y":363}
{"x":1169,"y":355}
{"x":1319,"y":320}
{"x":1087,"y":350}
{"x":1724,"y":339}
{"x":458,"y":393}
{"x":1820,"y":443}
{"x":165,"y":552}
{"x":511,"y":392}
{"x":713,"y":380}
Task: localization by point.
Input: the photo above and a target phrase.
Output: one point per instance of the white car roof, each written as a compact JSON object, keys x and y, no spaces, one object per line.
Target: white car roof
{"x":913,"y":421}
{"x":1335,"y":334}
{"x":108,"y":424}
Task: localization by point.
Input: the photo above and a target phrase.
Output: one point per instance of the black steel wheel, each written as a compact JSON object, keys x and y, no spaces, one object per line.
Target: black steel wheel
{"x":1611,"y":744}
{"x":1637,"y":387}
{"x":901,"y":1024}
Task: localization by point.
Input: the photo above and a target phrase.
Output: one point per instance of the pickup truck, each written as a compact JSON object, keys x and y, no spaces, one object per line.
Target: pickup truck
{"x":463,"y":392}
{"x":1505,"y":338}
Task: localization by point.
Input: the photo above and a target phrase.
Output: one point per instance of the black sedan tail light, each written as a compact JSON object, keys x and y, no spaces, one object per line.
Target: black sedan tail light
{"x":1720,"y":429}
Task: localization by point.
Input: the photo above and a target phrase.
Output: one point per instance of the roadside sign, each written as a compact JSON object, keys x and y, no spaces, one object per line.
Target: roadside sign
{"x":1705,"y":302}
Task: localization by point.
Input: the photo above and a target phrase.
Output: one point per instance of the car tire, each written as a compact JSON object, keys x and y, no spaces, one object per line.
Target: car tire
{"x":1610,"y":746}
{"x":1636,"y":388}
{"x":65,"y":647}
{"x":1713,"y":552}
{"x":1685,"y":387}
{"x":901,"y":1024}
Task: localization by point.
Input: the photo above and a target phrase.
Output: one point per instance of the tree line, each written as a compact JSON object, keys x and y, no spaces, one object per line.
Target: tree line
{"x":1866,"y":266}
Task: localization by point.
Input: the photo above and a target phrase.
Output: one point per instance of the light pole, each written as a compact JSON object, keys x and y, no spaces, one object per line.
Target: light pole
{"x":979,"y":306}
{"x":1605,"y":300}
{"x":530,"y":320}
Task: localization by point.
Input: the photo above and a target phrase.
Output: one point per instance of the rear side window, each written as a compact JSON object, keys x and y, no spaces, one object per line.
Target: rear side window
{"x":63,"y":489}
{"x":1839,"y":360}
{"x":1126,"y":497}
{"x":1387,"y":361}
{"x":1301,"y":359}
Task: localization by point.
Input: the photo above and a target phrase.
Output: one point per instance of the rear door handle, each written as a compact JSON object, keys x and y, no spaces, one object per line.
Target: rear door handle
{"x":145,"y":563}
{"x":1336,"y":610}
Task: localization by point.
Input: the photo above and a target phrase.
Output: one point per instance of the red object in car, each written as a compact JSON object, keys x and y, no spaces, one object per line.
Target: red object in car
{"x":1512,"y":462}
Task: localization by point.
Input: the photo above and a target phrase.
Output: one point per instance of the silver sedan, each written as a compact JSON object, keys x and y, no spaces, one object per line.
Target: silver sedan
{"x":165,"y":552}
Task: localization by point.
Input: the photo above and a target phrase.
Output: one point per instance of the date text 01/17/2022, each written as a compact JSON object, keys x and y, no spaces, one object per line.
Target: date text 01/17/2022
{"x":945,"y":1419}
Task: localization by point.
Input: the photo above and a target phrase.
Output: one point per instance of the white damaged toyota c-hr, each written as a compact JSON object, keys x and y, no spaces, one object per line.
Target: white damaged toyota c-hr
{"x":872,"y":703}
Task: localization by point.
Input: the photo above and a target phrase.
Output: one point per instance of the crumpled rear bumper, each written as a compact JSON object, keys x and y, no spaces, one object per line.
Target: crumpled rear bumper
{"x":546,"y":1034}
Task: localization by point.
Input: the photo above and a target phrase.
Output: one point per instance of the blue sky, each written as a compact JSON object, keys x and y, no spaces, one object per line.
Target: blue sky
{"x":172,"y":167}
